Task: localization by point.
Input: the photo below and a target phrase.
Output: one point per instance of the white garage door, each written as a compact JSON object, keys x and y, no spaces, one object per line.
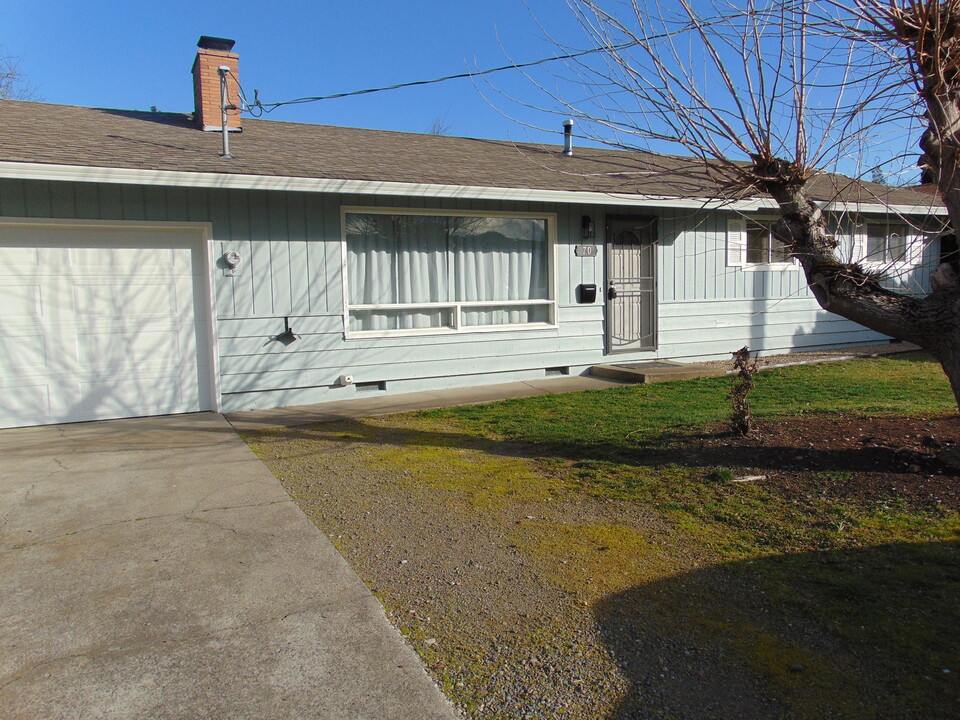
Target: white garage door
{"x":100,"y":322}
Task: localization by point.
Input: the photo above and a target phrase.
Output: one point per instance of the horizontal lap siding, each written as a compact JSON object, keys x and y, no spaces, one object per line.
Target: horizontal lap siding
{"x":291,"y":268}
{"x":694,"y":330}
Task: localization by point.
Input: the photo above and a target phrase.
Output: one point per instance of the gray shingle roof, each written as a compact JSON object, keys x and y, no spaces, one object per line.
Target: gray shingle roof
{"x":70,"y":135}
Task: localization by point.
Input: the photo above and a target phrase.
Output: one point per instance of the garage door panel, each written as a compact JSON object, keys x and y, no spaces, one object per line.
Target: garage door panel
{"x":117,"y":350}
{"x":24,"y":352}
{"x":128,"y":398}
{"x":20,"y":300}
{"x":13,"y":259}
{"x":27,"y":404}
{"x":90,"y":330}
{"x":115,"y":299}
{"x":130,"y":261}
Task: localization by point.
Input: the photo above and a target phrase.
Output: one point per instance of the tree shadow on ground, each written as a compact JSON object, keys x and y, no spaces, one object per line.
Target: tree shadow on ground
{"x":671,"y":448}
{"x":856,"y":633}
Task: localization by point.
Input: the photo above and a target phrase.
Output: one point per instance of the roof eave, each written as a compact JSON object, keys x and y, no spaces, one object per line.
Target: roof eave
{"x":235,"y":181}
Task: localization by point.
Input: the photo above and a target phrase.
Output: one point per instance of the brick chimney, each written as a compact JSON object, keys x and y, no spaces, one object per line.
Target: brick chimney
{"x":212,"y":53}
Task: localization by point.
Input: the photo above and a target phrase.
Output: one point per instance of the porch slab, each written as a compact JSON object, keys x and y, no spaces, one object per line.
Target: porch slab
{"x":655,"y":371}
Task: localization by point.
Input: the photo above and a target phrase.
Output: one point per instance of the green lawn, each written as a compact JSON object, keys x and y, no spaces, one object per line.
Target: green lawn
{"x":909,"y":384}
{"x":632,"y":444}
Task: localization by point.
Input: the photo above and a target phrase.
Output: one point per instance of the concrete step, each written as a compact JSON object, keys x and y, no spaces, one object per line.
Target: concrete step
{"x":655,"y":371}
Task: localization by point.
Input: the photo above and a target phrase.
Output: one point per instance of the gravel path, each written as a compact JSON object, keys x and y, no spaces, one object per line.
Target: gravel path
{"x":508,"y":626}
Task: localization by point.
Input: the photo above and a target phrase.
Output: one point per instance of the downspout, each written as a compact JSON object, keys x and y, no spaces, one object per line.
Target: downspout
{"x":224,"y":101}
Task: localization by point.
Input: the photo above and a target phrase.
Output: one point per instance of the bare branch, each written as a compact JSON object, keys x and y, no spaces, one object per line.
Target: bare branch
{"x":13,"y":83}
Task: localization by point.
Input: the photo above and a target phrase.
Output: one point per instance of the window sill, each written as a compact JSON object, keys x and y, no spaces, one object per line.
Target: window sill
{"x":894,"y":266}
{"x":770,"y":267}
{"x":423,"y":332}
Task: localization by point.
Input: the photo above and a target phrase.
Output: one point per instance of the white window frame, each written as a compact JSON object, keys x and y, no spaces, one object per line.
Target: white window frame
{"x":914,"y":242}
{"x":456,"y":307}
{"x":737,"y":246}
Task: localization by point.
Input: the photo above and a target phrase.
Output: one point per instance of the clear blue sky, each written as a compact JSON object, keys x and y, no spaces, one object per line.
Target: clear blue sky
{"x":132,"y":54}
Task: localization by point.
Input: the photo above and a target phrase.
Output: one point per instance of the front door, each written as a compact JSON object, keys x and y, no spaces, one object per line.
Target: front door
{"x":631,"y":290}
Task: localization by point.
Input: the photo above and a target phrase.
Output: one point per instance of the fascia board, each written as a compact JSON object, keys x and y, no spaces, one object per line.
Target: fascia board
{"x":880,"y":208}
{"x":228,"y":181}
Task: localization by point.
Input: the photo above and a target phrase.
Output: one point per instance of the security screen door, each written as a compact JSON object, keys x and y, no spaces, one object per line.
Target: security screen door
{"x":631,"y":290}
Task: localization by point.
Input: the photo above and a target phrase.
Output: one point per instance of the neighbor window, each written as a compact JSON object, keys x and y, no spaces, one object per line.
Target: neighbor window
{"x":421,"y":273}
{"x":751,"y":245}
{"x":763,"y":247}
{"x":886,"y":243}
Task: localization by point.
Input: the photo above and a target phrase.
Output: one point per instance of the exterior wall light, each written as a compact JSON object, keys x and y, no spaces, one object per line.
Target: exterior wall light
{"x":588,"y":229}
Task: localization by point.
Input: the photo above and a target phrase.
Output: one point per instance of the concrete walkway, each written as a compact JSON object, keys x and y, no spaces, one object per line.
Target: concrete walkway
{"x":154,"y":568}
{"x":407,"y":402}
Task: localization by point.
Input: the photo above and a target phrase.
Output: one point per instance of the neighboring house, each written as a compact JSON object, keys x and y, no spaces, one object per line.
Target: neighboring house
{"x":143,"y":273}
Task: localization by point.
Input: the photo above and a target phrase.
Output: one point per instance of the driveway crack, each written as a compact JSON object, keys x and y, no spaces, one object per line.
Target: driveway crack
{"x":187,"y":515}
{"x":119,"y":648}
{"x":17,"y":505}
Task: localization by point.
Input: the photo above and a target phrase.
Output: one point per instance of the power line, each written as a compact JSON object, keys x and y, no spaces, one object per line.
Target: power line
{"x":259,"y":108}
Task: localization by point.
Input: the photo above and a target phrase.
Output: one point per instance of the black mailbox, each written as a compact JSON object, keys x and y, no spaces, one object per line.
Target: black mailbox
{"x":586,"y":293}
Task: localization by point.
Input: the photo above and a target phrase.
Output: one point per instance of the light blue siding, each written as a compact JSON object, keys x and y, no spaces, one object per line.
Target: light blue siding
{"x":291,"y":268}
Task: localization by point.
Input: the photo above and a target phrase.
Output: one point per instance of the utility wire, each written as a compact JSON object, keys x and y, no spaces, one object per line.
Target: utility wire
{"x":259,"y":108}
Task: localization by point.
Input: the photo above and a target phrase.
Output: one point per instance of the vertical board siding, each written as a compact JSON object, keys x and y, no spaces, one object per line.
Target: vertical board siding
{"x":331,"y":282}
{"x":154,"y":203}
{"x":37,"y":199}
{"x":13,"y":202}
{"x":291,"y":267}
{"x":132,"y":202}
{"x":176,"y":202}
{"x":298,"y":253}
{"x":262,"y":280}
{"x":87,"y":200}
{"x":278,"y":245}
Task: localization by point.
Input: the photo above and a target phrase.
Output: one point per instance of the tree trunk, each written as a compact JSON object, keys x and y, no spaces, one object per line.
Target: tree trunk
{"x":932,"y":322}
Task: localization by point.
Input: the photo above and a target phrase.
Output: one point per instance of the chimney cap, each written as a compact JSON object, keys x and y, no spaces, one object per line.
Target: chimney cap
{"x":208,"y":42}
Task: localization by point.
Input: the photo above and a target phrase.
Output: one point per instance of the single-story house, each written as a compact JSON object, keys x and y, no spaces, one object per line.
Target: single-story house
{"x":143,"y":272}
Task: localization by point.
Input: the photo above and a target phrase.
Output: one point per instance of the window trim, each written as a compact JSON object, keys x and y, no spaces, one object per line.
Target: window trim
{"x":738,"y":227}
{"x":551,"y":302}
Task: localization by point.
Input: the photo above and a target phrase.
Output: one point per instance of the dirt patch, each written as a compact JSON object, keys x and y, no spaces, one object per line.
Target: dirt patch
{"x":834,"y":354}
{"x":867,"y":460}
{"x":441,"y":540}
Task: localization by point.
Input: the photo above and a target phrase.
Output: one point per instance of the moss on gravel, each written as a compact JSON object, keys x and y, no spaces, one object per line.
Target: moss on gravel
{"x":589,"y":561}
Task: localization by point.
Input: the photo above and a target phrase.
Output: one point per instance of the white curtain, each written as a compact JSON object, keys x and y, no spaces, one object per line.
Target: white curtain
{"x":500,"y":259}
{"x":422,"y":269}
{"x":416,"y":259}
{"x":396,"y":259}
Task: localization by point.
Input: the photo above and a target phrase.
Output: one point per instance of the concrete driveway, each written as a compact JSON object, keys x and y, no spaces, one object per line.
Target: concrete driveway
{"x":154,"y":568}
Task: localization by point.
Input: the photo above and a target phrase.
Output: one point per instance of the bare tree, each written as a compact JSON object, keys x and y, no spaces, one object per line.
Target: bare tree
{"x":440,"y":126}
{"x":13,"y":83}
{"x":770,"y":98}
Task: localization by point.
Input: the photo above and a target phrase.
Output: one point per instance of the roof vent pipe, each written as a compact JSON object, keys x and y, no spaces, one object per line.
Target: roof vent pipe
{"x":568,"y":137}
